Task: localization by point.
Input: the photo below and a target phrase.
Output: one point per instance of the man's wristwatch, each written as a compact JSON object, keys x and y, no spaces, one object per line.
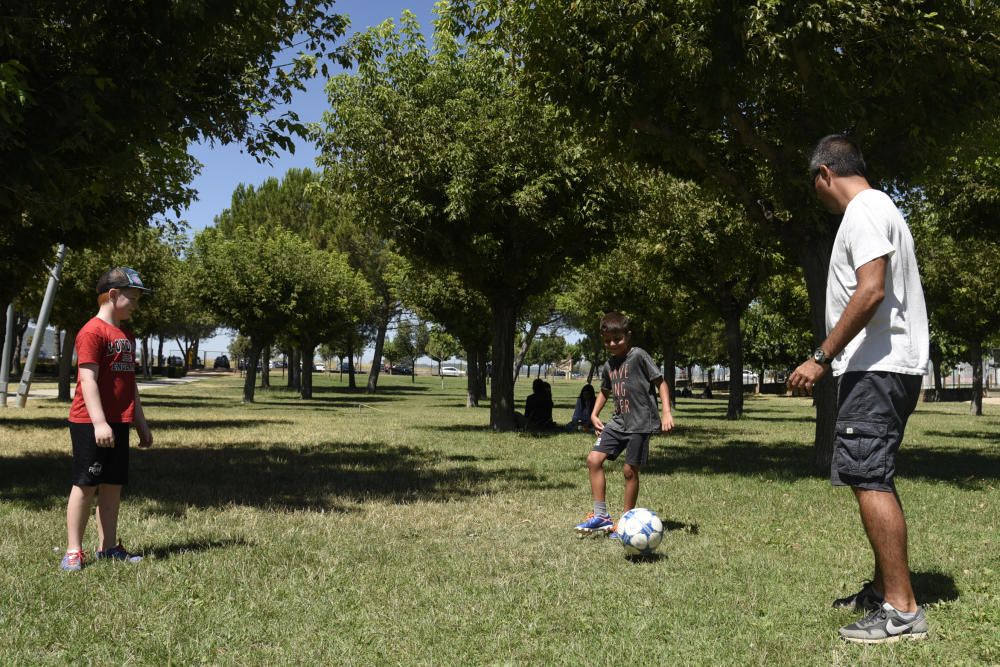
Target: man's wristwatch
{"x":819,"y":356}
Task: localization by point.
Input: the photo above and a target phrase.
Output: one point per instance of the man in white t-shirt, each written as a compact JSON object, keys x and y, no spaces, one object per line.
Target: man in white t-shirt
{"x":877,"y":345}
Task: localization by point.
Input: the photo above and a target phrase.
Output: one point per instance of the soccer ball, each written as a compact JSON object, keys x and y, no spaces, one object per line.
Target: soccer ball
{"x":641,"y":531}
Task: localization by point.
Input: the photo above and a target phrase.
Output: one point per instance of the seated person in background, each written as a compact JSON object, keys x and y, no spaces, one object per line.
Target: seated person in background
{"x":538,"y":406}
{"x":581,"y":413}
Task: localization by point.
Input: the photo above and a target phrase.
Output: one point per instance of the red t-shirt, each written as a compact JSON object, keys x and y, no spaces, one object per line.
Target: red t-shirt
{"x":113,"y":350}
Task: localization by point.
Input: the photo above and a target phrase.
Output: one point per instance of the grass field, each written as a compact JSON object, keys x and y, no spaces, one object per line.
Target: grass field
{"x":397,"y":529}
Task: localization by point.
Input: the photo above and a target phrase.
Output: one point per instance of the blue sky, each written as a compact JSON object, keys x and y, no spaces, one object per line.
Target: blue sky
{"x":225,"y":167}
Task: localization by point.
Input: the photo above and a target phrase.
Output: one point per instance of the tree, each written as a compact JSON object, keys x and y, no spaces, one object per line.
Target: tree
{"x":465,"y":172}
{"x":961,"y":280}
{"x":441,"y":345}
{"x":463,"y":313}
{"x":733,"y":95}
{"x":411,"y":342}
{"x":149,"y":251}
{"x":250,"y":279}
{"x":776,"y":325}
{"x":99,"y":105}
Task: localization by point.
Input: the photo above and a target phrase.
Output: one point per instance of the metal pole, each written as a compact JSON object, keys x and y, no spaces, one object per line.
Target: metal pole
{"x":8,"y":343}
{"x":40,"y":325}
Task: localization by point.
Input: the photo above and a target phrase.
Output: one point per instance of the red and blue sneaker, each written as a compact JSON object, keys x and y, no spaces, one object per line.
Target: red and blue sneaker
{"x":72,"y":561}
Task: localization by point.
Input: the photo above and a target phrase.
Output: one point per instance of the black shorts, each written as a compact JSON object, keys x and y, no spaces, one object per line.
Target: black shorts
{"x":635,"y":445}
{"x":93,"y":465}
{"x":872,"y":409}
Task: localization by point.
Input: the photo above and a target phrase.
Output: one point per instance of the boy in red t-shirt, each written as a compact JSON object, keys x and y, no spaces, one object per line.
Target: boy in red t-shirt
{"x":105,"y":403}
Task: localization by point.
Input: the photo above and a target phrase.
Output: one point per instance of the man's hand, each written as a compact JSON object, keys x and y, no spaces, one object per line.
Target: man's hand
{"x":807,"y":375}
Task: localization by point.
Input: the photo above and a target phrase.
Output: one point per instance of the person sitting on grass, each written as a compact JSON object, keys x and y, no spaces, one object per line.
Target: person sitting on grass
{"x":583,"y":409}
{"x":106,"y":403}
{"x":538,"y":407}
{"x":630,"y":377}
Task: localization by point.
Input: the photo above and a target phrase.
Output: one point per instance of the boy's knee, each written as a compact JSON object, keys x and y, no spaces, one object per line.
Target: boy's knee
{"x":595,"y":460}
{"x":630,"y":472}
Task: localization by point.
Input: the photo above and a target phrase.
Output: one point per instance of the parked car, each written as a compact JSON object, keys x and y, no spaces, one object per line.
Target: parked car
{"x":221,"y":361}
{"x":321,"y":367}
{"x":346,"y":367}
{"x":400,"y":370}
{"x":451,"y":371}
{"x":175,"y":360}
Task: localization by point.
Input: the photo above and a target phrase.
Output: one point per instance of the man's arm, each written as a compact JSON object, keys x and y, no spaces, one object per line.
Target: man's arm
{"x":859,"y":311}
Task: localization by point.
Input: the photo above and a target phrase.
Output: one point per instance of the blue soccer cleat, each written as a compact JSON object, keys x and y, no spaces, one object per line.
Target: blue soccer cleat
{"x":595,"y":525}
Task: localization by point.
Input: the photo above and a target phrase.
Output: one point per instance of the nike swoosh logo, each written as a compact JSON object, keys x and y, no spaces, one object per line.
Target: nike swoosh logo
{"x":894,"y":629}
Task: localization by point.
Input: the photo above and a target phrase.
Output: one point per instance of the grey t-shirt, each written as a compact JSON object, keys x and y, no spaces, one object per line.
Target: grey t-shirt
{"x":629,"y":379}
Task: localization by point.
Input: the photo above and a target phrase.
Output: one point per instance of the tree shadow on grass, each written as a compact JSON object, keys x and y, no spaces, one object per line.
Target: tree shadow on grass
{"x":978,"y":436}
{"x":165,"y":551}
{"x":60,"y":423}
{"x":790,"y":460}
{"x":333,"y":476}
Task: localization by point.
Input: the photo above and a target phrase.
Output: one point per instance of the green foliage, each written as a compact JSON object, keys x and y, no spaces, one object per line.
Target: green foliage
{"x":98,"y":104}
{"x":960,"y":276}
{"x":441,"y":345}
{"x":465,"y":171}
{"x":776,"y":325}
{"x":457,"y":165}
{"x":267,"y":281}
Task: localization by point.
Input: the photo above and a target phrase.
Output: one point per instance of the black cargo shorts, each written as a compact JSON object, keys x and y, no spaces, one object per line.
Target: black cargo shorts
{"x":872,"y":409}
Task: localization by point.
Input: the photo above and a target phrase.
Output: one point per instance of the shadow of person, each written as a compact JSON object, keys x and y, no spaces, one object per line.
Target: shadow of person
{"x":931,"y":587}
{"x":165,"y":551}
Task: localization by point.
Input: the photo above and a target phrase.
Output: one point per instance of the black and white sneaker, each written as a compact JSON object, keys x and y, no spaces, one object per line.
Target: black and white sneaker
{"x":884,"y":626}
{"x":867,"y":599}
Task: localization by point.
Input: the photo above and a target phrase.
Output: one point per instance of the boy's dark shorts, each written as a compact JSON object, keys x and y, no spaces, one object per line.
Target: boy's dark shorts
{"x":93,"y":465}
{"x":872,"y":409}
{"x":635,"y":445}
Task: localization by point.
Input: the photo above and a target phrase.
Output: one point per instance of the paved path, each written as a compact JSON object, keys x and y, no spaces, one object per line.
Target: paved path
{"x":144,"y":385}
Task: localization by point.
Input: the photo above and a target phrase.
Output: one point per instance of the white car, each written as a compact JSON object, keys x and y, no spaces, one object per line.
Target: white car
{"x":451,"y":371}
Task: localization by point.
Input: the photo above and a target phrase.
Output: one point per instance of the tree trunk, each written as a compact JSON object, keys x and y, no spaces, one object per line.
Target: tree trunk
{"x":734,"y":348}
{"x":306,"y":353}
{"x":264,"y":359}
{"x":976,"y":358}
{"x":146,"y":360}
{"x":66,"y":365}
{"x":383,"y":325}
{"x":350,"y":364}
{"x":815,"y":260}
{"x":472,"y":382}
{"x":159,"y":353}
{"x":502,"y":391}
{"x":525,"y":345}
{"x":669,"y":351}
{"x":250,"y":380}
{"x":481,"y":361}
{"x":937,"y":357}
{"x":709,"y":381}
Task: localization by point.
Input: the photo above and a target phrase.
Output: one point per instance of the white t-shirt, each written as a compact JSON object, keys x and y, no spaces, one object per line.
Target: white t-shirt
{"x":896,"y":338}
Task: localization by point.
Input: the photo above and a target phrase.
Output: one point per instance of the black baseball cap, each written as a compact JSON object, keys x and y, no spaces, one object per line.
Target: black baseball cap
{"x":121,"y":278}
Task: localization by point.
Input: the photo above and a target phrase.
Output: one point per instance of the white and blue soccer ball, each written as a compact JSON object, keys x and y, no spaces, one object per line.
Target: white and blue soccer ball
{"x":641,"y":531}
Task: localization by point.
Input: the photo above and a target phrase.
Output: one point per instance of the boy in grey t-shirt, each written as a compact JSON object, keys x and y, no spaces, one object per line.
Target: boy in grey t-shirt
{"x":629,"y":377}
